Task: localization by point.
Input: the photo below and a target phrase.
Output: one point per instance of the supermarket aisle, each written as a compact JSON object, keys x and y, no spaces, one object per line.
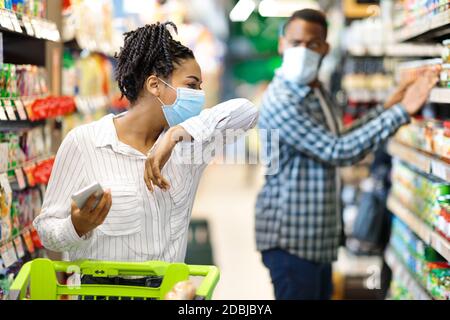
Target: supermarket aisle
{"x":226,"y":197}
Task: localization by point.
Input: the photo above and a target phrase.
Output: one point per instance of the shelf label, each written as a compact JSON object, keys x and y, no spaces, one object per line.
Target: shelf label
{"x":15,"y":22}
{"x":19,"y":247}
{"x":8,"y":255}
{"x":8,"y":23}
{"x":21,"y":109}
{"x":20,"y":178}
{"x":3,"y":114}
{"x":4,"y":20}
{"x":10,"y":111}
{"x":28,"y":26}
{"x":28,"y":241}
{"x":4,"y":157}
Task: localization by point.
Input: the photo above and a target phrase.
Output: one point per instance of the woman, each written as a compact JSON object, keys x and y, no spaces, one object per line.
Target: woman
{"x":137,"y":157}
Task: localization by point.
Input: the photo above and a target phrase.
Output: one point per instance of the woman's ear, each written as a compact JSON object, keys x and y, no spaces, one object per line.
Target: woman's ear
{"x":152,"y":85}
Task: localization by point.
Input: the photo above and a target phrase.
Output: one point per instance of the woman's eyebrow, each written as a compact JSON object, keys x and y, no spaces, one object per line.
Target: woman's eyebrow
{"x":194,"y":77}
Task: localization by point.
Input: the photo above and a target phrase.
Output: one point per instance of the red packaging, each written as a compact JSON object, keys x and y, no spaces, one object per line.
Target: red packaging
{"x":35,"y":238}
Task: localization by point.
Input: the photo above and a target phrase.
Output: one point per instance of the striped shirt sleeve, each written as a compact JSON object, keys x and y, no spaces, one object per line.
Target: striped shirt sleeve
{"x":235,"y":114}
{"x":308,"y":136}
{"x":54,"y":224}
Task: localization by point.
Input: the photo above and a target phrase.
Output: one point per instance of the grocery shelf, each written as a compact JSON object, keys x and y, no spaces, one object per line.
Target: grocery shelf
{"x":397,"y":50}
{"x":420,"y":228}
{"x":422,"y":161}
{"x":440,"y":95}
{"x":20,"y":125}
{"x":425,"y":28}
{"x":31,"y":162}
{"x":28,"y":26}
{"x":21,"y":232}
{"x":406,"y":277}
{"x":75,"y":45}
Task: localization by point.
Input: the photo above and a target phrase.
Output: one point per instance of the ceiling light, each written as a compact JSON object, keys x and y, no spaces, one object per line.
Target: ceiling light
{"x":284,"y":8}
{"x":242,"y":10}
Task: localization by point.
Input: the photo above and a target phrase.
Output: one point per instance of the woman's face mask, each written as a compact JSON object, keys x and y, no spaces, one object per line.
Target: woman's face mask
{"x":189,"y":103}
{"x":300,"y":65}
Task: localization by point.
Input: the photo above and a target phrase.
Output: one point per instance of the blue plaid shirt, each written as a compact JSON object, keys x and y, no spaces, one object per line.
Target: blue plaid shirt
{"x":296,"y":209}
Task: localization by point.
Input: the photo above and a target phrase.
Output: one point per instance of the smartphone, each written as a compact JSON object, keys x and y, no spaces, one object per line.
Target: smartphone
{"x":81,"y":196}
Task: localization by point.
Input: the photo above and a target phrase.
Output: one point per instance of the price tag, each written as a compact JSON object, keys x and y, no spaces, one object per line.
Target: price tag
{"x":28,"y":26}
{"x":3,"y":157}
{"x":438,"y":169}
{"x":28,"y":241}
{"x":15,"y":22}
{"x":8,"y":255}
{"x":8,"y":22}
{"x":20,"y":178}
{"x":37,"y":26}
{"x":21,"y":109}
{"x":3,"y":19}
{"x":10,"y":111}
{"x":3,"y":114}
{"x":19,"y":247}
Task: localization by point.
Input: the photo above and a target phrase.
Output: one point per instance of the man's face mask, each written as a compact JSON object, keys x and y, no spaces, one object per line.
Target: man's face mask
{"x":189,"y":103}
{"x":300,"y":65}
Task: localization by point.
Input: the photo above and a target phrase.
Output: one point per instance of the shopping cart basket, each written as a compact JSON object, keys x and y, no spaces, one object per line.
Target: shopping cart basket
{"x":37,"y":280}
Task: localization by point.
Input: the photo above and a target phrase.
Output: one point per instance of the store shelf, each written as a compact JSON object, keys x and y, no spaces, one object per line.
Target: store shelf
{"x":31,"y":162}
{"x":20,"y":125}
{"x":405,"y":276}
{"x":74,"y":45}
{"x":422,"y":161}
{"x":21,"y":232}
{"x":397,"y":50}
{"x":426,"y":28}
{"x":27,"y":26}
{"x":440,"y":95}
{"x":420,"y":228}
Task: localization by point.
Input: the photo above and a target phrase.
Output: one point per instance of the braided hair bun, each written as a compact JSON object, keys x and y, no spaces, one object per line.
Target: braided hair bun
{"x":148,"y":50}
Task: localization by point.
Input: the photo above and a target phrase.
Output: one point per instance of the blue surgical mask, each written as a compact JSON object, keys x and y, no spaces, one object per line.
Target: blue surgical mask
{"x":300,"y":65}
{"x":189,"y":103}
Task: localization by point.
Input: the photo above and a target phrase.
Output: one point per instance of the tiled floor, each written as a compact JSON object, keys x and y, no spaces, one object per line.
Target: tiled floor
{"x":226,"y":197}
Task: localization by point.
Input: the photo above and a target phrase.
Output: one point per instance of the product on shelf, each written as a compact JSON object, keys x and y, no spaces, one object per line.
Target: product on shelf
{"x":24,"y":95}
{"x":90,"y":79}
{"x":423,"y":195}
{"x":432,"y":136}
{"x":34,"y":8}
{"x":366,"y":83}
{"x":25,"y":170}
{"x":90,"y":25}
{"x":446,"y":51}
{"x":418,"y":11}
{"x":425,"y":264}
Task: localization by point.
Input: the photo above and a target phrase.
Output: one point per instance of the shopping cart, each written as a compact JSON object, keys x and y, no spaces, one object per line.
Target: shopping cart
{"x":37,"y":280}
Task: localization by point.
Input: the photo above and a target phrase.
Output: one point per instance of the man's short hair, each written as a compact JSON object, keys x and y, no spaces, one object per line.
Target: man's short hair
{"x":309,"y":15}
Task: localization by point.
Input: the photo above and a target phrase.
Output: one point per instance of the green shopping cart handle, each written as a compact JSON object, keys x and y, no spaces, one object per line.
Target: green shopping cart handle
{"x":112,"y":268}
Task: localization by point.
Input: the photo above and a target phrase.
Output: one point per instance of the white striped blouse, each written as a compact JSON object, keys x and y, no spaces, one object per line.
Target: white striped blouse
{"x":141,"y":225}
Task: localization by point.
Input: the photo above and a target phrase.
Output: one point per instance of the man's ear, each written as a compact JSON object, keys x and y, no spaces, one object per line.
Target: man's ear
{"x":152,"y":85}
{"x":281,"y":45}
{"x":327,"y":51}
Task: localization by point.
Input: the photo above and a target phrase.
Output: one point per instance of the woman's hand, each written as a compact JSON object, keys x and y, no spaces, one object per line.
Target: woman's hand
{"x":159,"y":157}
{"x":90,"y":216}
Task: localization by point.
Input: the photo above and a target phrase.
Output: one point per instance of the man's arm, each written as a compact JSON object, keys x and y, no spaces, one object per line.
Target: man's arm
{"x":307,"y":136}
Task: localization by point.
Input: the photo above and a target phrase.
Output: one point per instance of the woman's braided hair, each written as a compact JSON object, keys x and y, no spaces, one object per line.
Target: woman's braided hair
{"x":148,"y":50}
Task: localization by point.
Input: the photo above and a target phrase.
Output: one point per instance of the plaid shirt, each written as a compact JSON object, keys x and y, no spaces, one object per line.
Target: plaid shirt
{"x":297,"y":208}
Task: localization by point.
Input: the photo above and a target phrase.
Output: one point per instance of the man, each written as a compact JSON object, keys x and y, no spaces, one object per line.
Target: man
{"x":298,"y":214}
